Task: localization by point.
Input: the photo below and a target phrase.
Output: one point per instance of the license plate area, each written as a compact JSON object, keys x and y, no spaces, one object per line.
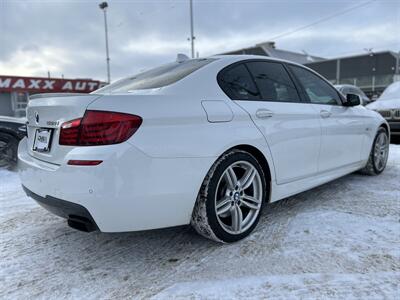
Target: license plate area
{"x":42,"y":140}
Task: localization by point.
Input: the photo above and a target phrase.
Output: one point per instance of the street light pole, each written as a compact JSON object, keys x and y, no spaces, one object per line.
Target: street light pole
{"x":191,"y":28}
{"x":103,"y":6}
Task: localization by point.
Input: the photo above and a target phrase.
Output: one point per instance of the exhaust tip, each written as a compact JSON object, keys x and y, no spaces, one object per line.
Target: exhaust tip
{"x":81,"y":224}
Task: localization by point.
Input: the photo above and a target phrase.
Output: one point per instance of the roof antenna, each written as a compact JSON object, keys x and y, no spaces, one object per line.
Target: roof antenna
{"x":181,"y":57}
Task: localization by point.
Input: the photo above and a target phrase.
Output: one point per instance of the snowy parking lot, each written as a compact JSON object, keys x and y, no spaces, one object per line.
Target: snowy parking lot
{"x":340,"y":240}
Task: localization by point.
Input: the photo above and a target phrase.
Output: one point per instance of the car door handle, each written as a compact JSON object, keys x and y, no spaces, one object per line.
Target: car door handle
{"x":264,"y":113}
{"x":325,"y":114}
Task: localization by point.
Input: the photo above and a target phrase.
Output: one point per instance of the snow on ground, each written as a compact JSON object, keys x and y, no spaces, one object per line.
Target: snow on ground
{"x":340,"y":240}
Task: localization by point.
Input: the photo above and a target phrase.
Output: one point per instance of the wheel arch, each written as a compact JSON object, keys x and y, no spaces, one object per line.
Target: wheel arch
{"x":386,"y":126}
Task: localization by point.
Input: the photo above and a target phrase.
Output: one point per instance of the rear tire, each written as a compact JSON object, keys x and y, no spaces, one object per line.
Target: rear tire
{"x":379,"y":154}
{"x":231,"y":198}
{"x":8,"y":150}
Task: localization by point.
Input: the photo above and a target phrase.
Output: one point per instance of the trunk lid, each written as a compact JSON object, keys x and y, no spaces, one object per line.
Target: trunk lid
{"x":49,"y":112}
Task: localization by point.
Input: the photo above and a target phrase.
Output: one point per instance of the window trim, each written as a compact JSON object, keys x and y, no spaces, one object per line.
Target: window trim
{"x":302,"y":99}
{"x":341,"y":99}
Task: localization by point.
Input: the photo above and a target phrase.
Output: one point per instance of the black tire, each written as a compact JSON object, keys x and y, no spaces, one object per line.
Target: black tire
{"x":8,"y":150}
{"x":372,"y":168}
{"x":204,"y":217}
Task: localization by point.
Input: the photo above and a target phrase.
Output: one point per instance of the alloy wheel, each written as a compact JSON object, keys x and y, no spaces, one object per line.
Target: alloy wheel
{"x":238,"y":199}
{"x":381,"y":151}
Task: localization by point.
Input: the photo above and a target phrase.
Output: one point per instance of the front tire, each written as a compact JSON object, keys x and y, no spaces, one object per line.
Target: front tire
{"x":231,"y":198}
{"x":379,"y":154}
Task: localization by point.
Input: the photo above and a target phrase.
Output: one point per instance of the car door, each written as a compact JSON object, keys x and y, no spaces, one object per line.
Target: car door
{"x":343,"y":128}
{"x":291,"y":127}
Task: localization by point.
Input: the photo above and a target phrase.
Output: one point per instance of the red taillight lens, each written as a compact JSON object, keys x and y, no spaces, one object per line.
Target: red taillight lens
{"x":69,"y":133}
{"x":99,"y":128}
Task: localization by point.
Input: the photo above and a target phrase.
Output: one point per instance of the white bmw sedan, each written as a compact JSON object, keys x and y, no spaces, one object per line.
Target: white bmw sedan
{"x":207,"y":142}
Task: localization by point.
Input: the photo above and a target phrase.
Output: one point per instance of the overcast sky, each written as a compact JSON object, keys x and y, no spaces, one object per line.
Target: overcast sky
{"x":67,"y":37}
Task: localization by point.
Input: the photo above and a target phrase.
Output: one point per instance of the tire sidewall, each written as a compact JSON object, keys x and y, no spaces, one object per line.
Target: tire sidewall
{"x":212,"y":189}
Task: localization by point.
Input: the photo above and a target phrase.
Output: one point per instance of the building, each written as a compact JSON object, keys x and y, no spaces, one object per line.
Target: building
{"x":15,"y":90}
{"x":372,"y":71}
{"x":269,"y":49}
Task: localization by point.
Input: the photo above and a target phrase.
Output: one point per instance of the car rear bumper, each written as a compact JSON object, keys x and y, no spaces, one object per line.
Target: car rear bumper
{"x":78,"y":216}
{"x":128,"y":191}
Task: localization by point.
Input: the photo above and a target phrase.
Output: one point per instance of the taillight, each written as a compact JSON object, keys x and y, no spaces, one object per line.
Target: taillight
{"x":99,"y":128}
{"x":69,"y":134}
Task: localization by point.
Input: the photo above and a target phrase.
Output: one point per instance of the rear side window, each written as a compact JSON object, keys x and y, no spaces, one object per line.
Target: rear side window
{"x":237,"y":83}
{"x":157,"y":77}
{"x":273,"y":81}
{"x":317,"y":90}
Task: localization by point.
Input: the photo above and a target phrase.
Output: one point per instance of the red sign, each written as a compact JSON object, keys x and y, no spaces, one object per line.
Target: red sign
{"x":47,"y":85}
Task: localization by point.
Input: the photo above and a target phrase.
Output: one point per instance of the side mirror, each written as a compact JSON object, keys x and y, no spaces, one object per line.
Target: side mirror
{"x":352,"y":100}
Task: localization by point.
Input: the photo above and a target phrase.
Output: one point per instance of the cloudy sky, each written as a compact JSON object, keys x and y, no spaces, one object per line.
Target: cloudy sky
{"x":67,"y":37}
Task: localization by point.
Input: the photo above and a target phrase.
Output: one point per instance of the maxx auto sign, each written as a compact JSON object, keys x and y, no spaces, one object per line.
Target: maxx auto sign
{"x":47,"y":85}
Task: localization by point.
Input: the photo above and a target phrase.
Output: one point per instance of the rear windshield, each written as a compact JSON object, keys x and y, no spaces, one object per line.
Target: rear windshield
{"x":157,"y":77}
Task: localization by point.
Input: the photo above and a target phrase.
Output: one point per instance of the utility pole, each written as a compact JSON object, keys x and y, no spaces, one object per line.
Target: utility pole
{"x":191,"y":28}
{"x":103,"y":6}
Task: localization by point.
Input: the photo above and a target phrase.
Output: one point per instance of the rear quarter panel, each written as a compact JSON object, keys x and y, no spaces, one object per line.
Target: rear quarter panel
{"x":180,"y":145}
{"x":177,"y":126}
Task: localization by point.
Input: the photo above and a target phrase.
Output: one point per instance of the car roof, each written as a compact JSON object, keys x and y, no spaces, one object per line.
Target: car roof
{"x":240,"y":57}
